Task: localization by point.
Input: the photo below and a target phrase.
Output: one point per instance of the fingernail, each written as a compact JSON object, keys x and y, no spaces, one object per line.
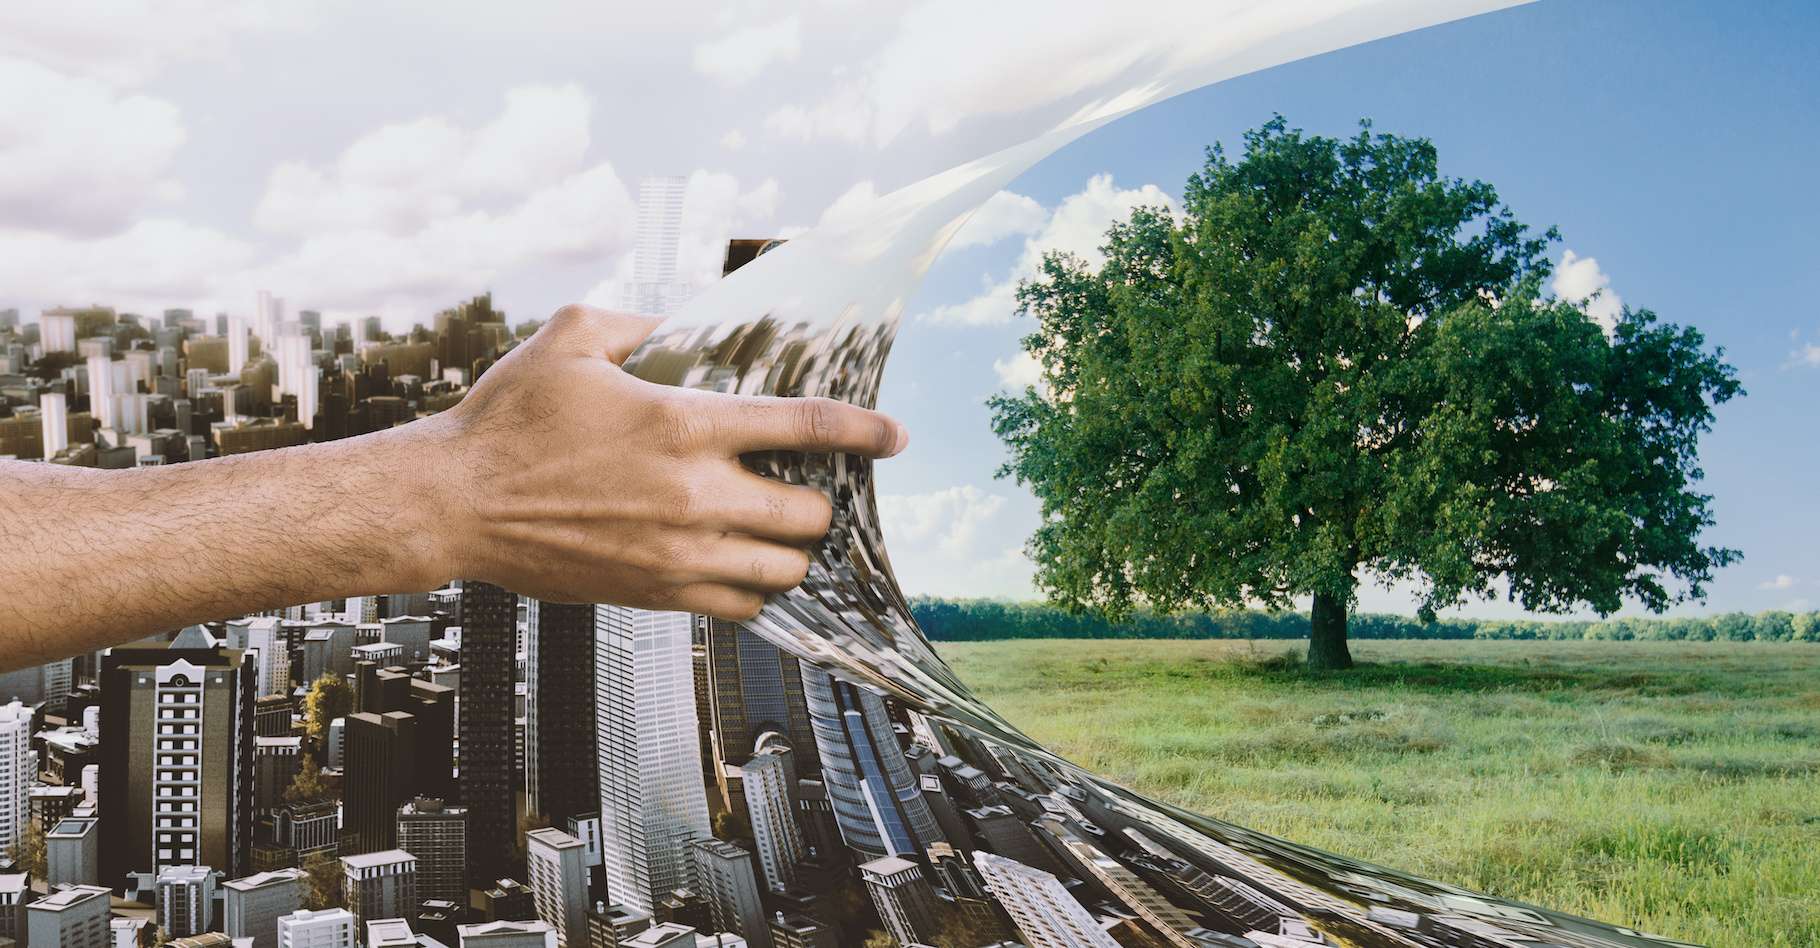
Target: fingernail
{"x":903,"y":439}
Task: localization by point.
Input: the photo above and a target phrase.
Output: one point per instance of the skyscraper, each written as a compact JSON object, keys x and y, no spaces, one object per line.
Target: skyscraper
{"x":905,"y":901}
{"x":57,"y":331}
{"x":437,"y":835}
{"x":654,"y":288}
{"x":877,"y":800}
{"x":298,"y":375}
{"x":54,"y":412}
{"x":381,"y":765}
{"x":101,"y":391}
{"x":559,"y":883}
{"x":755,"y":687}
{"x":15,"y":771}
{"x":177,"y":741}
{"x":723,"y":876}
{"x":251,"y":907}
{"x":652,"y":802}
{"x":379,"y":885}
{"x":562,"y":777}
{"x":1044,"y":912}
{"x":489,"y":666}
{"x":75,"y":917}
{"x":236,"y":344}
{"x":1161,"y":914}
{"x":775,"y":835}
{"x":72,"y":852}
{"x":186,"y":900}
{"x":264,"y":635}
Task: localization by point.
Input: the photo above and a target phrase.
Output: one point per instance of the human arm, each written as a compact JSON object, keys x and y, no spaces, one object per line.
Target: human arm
{"x":559,"y":476}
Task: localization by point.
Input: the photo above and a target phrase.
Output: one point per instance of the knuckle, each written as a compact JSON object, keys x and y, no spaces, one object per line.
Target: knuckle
{"x":682,"y":425}
{"x":821,"y":513}
{"x":816,"y":421}
{"x":668,"y":555}
{"x":569,"y":313}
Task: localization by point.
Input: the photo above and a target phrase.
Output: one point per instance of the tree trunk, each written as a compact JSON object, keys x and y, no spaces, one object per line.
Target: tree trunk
{"x":1327,"y":634}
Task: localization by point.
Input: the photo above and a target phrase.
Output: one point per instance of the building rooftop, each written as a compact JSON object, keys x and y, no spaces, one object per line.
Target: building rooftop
{"x":320,"y":915}
{"x":504,"y":925}
{"x":554,"y":838}
{"x":71,"y":827}
{"x":371,"y":860}
{"x":720,"y":847}
{"x":262,"y":879}
{"x":184,"y":873}
{"x":888,"y":865}
{"x":389,"y":933}
{"x":70,"y":895}
{"x":657,"y":935}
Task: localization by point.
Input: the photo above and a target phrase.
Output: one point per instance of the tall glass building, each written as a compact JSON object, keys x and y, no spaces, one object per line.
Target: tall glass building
{"x":652,"y":800}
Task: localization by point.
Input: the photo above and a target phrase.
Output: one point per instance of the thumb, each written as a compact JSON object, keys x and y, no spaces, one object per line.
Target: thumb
{"x":603,"y":332}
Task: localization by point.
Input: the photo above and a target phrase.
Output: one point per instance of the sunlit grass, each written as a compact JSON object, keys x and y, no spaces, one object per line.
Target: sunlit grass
{"x":1673,"y":787}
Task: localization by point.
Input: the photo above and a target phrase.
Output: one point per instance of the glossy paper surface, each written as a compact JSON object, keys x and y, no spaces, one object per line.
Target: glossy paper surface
{"x":817,"y":316}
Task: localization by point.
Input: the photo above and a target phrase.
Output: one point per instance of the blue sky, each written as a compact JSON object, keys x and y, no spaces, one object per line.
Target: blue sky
{"x":1673,"y":142}
{"x":389,"y":160}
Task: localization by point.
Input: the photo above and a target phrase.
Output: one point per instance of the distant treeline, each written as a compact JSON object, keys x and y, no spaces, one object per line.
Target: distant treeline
{"x":968,"y":620}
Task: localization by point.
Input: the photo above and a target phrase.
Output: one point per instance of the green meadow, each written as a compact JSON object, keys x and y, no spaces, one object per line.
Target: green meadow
{"x":1673,"y":787}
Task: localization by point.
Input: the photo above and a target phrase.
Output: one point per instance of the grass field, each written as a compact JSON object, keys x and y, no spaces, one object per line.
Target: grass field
{"x":1669,"y":786}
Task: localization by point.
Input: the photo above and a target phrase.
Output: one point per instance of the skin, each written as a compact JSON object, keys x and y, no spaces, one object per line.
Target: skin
{"x":559,"y":476}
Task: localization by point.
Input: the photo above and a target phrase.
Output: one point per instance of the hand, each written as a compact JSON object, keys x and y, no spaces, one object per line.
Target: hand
{"x":575,"y":481}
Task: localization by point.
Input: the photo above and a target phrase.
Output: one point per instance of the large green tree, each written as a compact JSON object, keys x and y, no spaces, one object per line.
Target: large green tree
{"x":1337,"y":365}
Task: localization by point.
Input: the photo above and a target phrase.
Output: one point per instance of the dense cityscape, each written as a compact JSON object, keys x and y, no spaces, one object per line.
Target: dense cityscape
{"x":469,"y":768}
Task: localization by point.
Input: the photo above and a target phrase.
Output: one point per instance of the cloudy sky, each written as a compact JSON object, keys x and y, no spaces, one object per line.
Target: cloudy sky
{"x":393,"y":157}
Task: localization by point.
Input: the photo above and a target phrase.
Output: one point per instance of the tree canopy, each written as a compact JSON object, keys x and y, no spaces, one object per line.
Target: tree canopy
{"x":1339,"y":364}
{"x":329,"y":698}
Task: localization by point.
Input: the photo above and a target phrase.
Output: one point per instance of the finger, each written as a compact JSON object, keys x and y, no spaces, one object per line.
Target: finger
{"x":751,"y":563}
{"x":812,"y":424}
{"x":603,"y":332}
{"x":772,"y":510}
{"x":720,"y":601}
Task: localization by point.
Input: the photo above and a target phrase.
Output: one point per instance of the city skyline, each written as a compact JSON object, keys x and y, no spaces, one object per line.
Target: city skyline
{"x":817,"y":771}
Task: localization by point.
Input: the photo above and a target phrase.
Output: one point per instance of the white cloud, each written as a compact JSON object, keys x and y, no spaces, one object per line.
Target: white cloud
{"x":1807,"y":356}
{"x":1078,"y":226}
{"x":734,"y":140}
{"x":1005,"y":214}
{"x":844,"y":116}
{"x":1578,"y":279}
{"x":126,"y":42}
{"x":951,"y":542}
{"x":153,"y":264}
{"x":78,"y":157}
{"x":740,"y":56}
{"x":404,"y":176}
{"x":586,"y":216}
{"x":1019,"y":372}
{"x":948,"y":520}
{"x":1782,"y":581}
